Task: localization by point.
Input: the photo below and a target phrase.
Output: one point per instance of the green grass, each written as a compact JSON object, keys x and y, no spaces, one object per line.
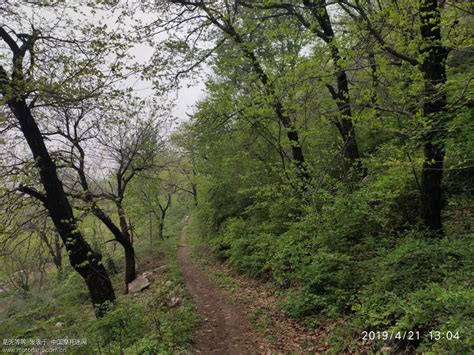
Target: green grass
{"x":144,"y":324}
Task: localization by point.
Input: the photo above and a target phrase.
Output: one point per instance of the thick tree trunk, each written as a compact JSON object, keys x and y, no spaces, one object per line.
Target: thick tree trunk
{"x":434,"y":72}
{"x":130,"y":269}
{"x":123,"y":221}
{"x":431,"y":178}
{"x":125,"y":241}
{"x":85,"y":261}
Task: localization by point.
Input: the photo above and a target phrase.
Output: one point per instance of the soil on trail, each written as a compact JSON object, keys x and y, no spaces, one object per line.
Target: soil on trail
{"x":223,"y":327}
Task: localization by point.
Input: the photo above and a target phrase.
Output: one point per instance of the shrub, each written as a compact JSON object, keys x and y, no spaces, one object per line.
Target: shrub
{"x":327,"y":287}
{"x":121,"y":327}
{"x":72,"y":289}
{"x":293,"y":253}
{"x":424,"y":285}
{"x":245,"y":247}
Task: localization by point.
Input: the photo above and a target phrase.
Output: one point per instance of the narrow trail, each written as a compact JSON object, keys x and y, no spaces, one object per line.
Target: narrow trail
{"x":224,"y":327}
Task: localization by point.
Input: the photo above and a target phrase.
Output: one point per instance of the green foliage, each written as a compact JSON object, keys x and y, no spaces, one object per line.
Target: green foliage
{"x":423,"y":285}
{"x":146,"y":324}
{"x":146,"y":328}
{"x":172,"y":328}
{"x":121,"y":327}
{"x":71,"y":289}
{"x":355,"y":252}
{"x":440,"y":308}
{"x":247,"y":250}
{"x":328,"y":284}
{"x":346,"y":245}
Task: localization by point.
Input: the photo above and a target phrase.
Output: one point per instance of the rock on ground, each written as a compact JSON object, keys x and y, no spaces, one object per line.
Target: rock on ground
{"x":139,"y":284}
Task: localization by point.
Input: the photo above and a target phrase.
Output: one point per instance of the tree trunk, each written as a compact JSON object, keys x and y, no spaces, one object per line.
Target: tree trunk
{"x":58,"y":257}
{"x":123,"y":239}
{"x":344,"y":123}
{"x":83,"y":258}
{"x":163,"y":209}
{"x":194,"y":193}
{"x":293,"y":138}
{"x":161,"y":227}
{"x":121,"y":234}
{"x":123,"y":221}
{"x":434,"y":73}
{"x":55,"y":250}
{"x":130,"y":269}
{"x":431,"y":178}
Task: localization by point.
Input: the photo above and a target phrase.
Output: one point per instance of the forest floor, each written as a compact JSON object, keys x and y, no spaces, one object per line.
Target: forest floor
{"x":224,"y":327}
{"x":239,"y":315}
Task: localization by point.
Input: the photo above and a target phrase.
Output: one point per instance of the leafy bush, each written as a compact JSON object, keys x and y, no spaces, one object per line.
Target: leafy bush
{"x":121,"y":327}
{"x":72,"y":289}
{"x":293,"y":253}
{"x":327,"y":287}
{"x":359,"y":252}
{"x":424,"y":285}
{"x":437,"y":308}
{"x":172,"y":326}
{"x":246,"y":248}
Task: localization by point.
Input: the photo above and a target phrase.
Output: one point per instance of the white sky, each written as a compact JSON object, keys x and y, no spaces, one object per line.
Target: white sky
{"x":185,"y":98}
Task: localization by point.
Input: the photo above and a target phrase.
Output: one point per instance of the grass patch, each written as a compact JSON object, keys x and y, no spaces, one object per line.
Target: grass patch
{"x":144,"y":323}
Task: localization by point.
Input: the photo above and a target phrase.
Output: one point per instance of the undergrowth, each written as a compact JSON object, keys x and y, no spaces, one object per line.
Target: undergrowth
{"x":141,"y":324}
{"x":360,"y":259}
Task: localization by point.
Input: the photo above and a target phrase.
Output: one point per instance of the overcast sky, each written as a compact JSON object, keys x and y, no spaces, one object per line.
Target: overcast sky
{"x":185,"y":98}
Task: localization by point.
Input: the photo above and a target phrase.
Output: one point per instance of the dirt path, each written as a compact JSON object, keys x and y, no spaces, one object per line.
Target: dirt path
{"x":224,"y":328}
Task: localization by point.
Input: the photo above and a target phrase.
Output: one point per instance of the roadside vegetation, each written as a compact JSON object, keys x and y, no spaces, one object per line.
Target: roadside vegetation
{"x":328,"y":166}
